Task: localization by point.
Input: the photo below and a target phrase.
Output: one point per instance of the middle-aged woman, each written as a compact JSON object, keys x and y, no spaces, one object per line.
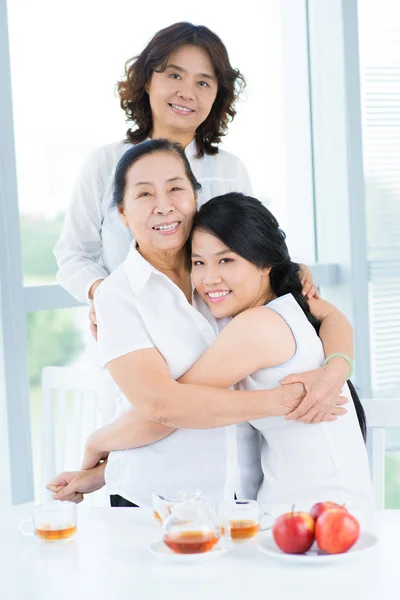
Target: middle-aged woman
{"x":150,"y":335}
{"x":181,"y":87}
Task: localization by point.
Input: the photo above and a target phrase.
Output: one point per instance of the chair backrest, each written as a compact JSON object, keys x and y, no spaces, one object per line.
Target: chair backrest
{"x":70,"y":412}
{"x":381,"y":415}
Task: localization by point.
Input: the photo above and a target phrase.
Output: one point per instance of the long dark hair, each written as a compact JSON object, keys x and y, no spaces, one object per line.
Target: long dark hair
{"x":134,"y":99}
{"x":248,"y":228}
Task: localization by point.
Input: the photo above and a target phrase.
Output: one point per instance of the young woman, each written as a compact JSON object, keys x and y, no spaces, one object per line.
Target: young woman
{"x":150,"y":335}
{"x":242,"y":271}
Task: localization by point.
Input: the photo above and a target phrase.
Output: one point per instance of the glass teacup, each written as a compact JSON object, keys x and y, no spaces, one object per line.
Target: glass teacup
{"x":51,"y":521}
{"x":242,"y":516}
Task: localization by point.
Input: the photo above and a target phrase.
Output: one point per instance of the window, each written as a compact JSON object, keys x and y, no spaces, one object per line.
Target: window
{"x":379,"y":31}
{"x":379,"y":36}
{"x":56,"y":338}
{"x":63,"y":76}
{"x":64,"y":102}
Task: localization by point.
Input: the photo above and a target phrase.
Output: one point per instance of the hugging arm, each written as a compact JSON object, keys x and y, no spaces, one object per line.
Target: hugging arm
{"x":130,"y":430}
{"x":223,"y":365}
{"x":162,"y":404}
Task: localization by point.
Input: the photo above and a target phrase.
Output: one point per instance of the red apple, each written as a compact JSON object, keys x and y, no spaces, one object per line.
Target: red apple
{"x":321,"y":507}
{"x":294,"y":532}
{"x":336,"y":531}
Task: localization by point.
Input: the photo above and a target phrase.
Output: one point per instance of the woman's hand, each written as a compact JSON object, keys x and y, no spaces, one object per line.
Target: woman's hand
{"x":71,"y":485}
{"x":322,"y":401}
{"x":93,"y":321}
{"x":92,"y":312}
{"x":309,"y":288}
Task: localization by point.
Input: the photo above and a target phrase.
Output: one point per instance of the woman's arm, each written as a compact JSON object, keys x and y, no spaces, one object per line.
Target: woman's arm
{"x":79,"y":247}
{"x":336,"y":332}
{"x":242,"y":348}
{"x":128,"y":431}
{"x":324,"y":385}
{"x":223,"y":365}
{"x":144,"y":379}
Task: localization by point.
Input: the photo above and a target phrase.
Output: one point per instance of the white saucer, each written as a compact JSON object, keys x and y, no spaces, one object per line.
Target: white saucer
{"x":364,"y":544}
{"x":162,"y":551}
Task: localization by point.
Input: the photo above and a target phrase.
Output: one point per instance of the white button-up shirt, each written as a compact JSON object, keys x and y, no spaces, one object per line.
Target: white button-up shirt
{"x":94,"y":242}
{"x":138,"y":307}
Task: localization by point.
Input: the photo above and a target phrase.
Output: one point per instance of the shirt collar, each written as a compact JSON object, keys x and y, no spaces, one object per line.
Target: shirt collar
{"x":191,"y":149}
{"x":137,"y":270}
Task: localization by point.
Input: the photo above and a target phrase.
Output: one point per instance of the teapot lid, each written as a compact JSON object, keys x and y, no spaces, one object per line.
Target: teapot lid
{"x":192,"y":507}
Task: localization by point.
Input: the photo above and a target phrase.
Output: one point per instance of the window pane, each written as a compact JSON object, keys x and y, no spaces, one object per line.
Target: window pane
{"x":55,"y":338}
{"x":379,"y":24}
{"x":379,"y":31}
{"x":63,"y":77}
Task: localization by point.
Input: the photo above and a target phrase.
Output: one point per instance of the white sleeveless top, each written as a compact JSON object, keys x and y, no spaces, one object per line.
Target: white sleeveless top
{"x":303,"y":464}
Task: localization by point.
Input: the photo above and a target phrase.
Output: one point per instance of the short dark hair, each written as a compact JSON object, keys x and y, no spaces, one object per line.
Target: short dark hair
{"x":144,"y":149}
{"x":134,"y":99}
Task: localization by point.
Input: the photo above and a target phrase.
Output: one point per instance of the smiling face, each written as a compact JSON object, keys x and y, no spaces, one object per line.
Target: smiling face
{"x":159,"y":202}
{"x":181,"y":97}
{"x":227,"y":282}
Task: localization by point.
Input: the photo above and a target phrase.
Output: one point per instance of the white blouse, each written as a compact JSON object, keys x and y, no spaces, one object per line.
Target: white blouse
{"x":304,"y":464}
{"x":94,"y":242}
{"x":138,"y":307}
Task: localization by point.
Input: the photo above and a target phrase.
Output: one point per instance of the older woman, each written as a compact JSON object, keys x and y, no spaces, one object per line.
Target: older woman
{"x":150,"y":335}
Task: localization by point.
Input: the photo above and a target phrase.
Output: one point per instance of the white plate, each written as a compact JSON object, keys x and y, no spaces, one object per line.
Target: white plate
{"x":365,"y":543}
{"x":161,"y":550}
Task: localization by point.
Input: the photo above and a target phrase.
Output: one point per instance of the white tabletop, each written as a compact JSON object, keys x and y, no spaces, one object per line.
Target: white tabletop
{"x":109,"y":559}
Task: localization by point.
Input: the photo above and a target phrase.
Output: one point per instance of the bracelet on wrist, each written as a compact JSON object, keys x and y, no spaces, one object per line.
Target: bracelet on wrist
{"x":345,"y":357}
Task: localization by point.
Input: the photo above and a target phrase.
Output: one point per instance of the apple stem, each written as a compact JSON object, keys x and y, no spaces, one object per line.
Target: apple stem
{"x":293,"y":510}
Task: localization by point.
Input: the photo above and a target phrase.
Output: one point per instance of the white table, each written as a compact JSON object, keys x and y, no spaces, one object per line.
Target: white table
{"x":109,"y":559}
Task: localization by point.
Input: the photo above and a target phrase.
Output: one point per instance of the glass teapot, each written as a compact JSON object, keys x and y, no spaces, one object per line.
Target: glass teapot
{"x":191,"y":527}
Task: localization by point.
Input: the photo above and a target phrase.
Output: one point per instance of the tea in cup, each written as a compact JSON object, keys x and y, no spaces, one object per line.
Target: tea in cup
{"x":242,"y":516}
{"x":51,"y":521}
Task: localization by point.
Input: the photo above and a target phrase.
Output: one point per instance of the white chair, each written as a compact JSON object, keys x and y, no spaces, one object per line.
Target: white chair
{"x":381,"y":415}
{"x":71,"y":410}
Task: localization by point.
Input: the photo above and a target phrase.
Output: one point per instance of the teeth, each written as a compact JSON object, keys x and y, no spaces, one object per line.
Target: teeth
{"x":166,"y":227}
{"x":218,"y":294}
{"x":181,"y":108}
